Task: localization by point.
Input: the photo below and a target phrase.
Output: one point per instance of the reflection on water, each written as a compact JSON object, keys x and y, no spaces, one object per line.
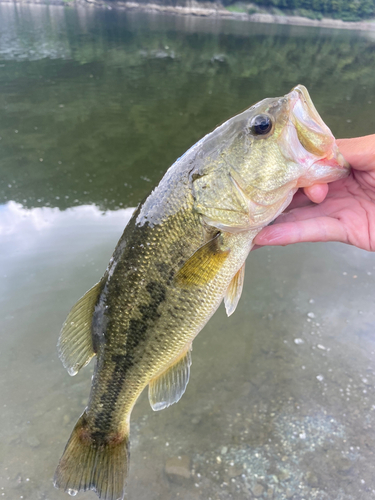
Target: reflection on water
{"x":107,"y":100}
{"x":94,"y":107}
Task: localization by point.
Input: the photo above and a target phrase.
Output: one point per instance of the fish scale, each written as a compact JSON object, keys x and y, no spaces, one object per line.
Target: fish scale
{"x":181,"y":254}
{"x":148,"y":315}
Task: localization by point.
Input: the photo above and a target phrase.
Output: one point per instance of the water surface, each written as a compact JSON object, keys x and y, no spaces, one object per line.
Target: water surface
{"x":95,"y":105}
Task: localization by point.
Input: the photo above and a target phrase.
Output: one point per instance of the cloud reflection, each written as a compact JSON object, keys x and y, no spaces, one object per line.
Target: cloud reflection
{"x":14,"y":218}
{"x":49,"y":240}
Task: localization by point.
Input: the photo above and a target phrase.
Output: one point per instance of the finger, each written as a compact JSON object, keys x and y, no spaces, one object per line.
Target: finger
{"x":306,"y":212}
{"x":331,"y":207}
{"x":317,"y":193}
{"x":299,"y":200}
{"x":311,"y":230}
{"x":359,"y":152}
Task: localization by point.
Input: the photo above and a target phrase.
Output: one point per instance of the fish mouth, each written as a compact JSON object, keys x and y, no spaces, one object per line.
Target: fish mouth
{"x":316,"y":138}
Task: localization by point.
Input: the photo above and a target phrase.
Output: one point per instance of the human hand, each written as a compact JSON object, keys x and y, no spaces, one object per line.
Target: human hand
{"x":341,"y":211}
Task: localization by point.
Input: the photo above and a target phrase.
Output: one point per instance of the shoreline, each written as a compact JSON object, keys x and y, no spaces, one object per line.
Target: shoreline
{"x":211,"y":10}
{"x":220,"y":12}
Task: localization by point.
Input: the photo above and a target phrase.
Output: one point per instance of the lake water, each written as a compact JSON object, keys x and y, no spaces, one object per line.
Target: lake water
{"x":95,"y":106}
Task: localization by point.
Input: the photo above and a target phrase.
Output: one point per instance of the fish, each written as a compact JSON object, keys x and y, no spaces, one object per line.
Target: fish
{"x":182,"y":253}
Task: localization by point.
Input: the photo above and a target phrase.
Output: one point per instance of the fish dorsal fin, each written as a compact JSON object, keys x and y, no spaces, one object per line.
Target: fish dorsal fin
{"x":234,"y":290}
{"x":75,"y":342}
{"x":203,"y":265}
{"x":168,"y":387}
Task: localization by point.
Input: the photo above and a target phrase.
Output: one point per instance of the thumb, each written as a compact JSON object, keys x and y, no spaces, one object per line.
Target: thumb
{"x":359,"y":152}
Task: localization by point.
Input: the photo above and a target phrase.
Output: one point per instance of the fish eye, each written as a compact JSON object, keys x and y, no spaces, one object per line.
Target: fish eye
{"x":261,"y":124}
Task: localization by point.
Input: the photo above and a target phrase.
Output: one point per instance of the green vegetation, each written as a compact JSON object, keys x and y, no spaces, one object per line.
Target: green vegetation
{"x":310,"y":14}
{"x":237,"y":8}
{"x":347,"y":10}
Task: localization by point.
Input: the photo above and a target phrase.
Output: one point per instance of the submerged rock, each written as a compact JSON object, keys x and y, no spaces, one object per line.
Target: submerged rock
{"x":258,"y":490}
{"x":178,"y":469}
{"x":33,"y":441}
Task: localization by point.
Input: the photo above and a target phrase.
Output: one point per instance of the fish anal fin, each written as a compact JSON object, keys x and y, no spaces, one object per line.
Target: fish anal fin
{"x":234,"y":291}
{"x":89,"y":464}
{"x":169,"y":387}
{"x":75,"y":344}
{"x":203,"y":265}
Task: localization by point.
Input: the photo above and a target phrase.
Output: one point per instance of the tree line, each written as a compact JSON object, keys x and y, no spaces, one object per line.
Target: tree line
{"x":347,"y":10}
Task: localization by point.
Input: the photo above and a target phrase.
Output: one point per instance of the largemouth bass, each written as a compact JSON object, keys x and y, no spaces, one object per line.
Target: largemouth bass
{"x":181,"y":254}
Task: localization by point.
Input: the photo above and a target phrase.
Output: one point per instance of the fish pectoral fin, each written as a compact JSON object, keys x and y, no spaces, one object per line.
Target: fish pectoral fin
{"x":169,"y":387}
{"x":234,"y":291}
{"x":203,"y":265}
{"x":75,"y":345}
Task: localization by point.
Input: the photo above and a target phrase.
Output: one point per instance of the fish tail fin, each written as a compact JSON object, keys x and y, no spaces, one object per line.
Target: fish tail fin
{"x":94,"y":463}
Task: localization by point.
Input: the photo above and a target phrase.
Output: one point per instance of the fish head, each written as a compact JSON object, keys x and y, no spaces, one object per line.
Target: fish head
{"x":290,"y":141}
{"x":252,"y":165}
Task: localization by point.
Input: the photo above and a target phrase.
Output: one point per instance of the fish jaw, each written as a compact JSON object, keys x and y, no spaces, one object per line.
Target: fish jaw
{"x":310,"y":143}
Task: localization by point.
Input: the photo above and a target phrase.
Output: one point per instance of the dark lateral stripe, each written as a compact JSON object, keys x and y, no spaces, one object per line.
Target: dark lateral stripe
{"x":137,"y":335}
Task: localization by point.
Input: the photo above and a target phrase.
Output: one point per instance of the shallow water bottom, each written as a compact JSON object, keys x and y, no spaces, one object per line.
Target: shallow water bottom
{"x":280,"y":404}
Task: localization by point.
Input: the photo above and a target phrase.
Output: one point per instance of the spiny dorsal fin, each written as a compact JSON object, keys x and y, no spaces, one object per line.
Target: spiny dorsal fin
{"x":168,"y":388}
{"x":75,"y":342}
{"x":234,"y":290}
{"x":203,"y":265}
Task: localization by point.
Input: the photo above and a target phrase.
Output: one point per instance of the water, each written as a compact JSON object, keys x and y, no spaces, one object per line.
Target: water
{"x":95,"y":105}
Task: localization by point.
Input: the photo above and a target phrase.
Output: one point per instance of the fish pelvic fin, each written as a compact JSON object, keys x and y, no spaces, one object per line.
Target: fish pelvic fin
{"x":94,"y":463}
{"x":234,"y":291}
{"x":75,"y":346}
{"x":203,"y":265}
{"x":169,"y":387}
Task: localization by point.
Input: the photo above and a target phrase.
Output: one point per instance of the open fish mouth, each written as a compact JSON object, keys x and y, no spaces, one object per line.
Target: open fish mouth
{"x":312,"y":142}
